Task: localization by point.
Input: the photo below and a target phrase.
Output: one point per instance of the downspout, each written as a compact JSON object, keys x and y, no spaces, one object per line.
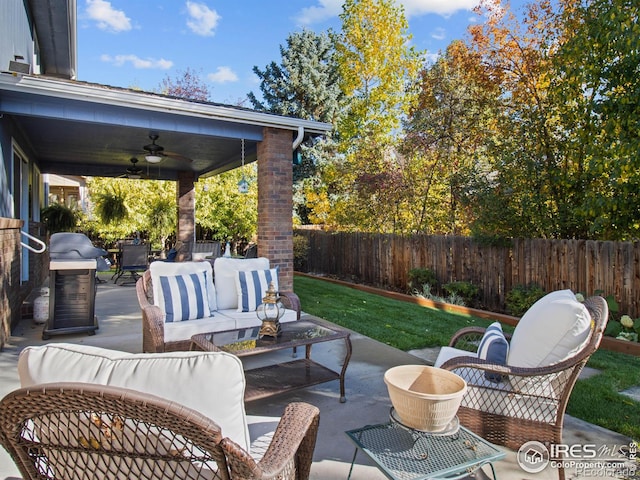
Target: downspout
{"x":299,"y":138}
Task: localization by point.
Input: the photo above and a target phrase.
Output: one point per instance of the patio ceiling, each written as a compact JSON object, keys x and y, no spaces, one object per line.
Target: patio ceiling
{"x":76,"y":128}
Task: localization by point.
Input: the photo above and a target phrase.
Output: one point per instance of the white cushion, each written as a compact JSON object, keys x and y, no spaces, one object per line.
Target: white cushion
{"x":447,"y":353}
{"x":470,"y":375}
{"x":249,"y":319}
{"x":225,"y":269}
{"x":252,"y":286}
{"x":552,"y":330}
{"x":212,"y":383}
{"x":178,"y":268}
{"x":183,"y":297}
{"x":179,"y":331}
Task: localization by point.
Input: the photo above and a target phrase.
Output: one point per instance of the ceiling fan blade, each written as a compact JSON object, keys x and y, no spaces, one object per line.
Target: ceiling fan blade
{"x":177,"y":156}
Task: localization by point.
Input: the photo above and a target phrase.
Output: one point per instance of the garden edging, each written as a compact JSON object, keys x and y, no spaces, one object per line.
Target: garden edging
{"x":608,"y":343}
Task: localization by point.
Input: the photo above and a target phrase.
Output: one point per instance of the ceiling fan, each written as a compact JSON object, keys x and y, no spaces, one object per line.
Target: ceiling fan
{"x":155,"y":153}
{"x":134,"y":172}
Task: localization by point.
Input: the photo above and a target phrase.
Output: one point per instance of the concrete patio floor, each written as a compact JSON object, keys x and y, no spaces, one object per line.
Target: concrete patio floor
{"x":367,"y":399}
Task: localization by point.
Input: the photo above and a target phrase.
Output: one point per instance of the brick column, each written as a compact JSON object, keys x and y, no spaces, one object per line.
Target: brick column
{"x":186,"y":200}
{"x":275,"y":203}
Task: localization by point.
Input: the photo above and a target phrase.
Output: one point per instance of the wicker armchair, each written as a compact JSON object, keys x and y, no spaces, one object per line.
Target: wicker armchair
{"x":529,"y":403}
{"x":88,"y":431}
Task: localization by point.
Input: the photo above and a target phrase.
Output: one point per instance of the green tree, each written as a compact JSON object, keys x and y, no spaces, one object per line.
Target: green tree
{"x":142,"y":200}
{"x":376,"y":65}
{"x":597,"y":89}
{"x":447,"y":129}
{"x":220,"y":208}
{"x":305,"y":85}
{"x":377,"y":68}
{"x":532,"y":191}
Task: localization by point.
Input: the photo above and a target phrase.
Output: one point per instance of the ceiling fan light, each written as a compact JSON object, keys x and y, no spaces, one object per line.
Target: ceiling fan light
{"x":153,"y":158}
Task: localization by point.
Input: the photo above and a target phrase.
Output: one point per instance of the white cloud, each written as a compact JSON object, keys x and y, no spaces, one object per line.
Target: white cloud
{"x":137,"y":62}
{"x":325,"y":10}
{"x":332,"y":8}
{"x":223,"y":75}
{"x":414,"y":8}
{"x":431,"y":58}
{"x":107,"y":17}
{"x":203,"y":20}
{"x":439,"y":33}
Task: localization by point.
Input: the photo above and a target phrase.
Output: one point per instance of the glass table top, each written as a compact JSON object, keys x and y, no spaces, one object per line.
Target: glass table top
{"x":247,"y":340}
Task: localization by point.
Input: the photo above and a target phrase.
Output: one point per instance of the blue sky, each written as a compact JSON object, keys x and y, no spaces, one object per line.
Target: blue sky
{"x":138,"y":43}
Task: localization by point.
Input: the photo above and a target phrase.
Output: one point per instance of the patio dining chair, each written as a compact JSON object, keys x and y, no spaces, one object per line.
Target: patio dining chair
{"x":90,"y":431}
{"x":523,"y":395}
{"x":131,"y":260}
{"x":202,"y":250}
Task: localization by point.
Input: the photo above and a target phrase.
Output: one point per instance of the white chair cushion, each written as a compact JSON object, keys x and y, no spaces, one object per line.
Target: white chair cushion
{"x":552,"y":330}
{"x":225,"y":269}
{"x":252,"y":286}
{"x":469,"y":374}
{"x":447,"y":353}
{"x":212,"y":383}
{"x":179,"y":331}
{"x":184,"y":297}
{"x":158,"y":269}
{"x":249,"y":319}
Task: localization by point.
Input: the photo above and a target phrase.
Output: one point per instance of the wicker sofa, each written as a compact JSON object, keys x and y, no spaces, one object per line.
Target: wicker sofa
{"x":87,"y":411}
{"x":233,"y":288}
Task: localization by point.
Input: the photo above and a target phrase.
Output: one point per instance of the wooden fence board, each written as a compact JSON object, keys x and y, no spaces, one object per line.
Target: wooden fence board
{"x":586,"y":266}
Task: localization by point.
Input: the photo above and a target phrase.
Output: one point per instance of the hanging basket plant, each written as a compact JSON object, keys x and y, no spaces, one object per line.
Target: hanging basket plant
{"x":110,"y":207}
{"x":58,"y":218}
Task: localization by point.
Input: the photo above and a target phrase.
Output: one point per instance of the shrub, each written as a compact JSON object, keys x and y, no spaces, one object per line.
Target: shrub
{"x":300,"y":252}
{"x":520,"y":299}
{"x":466,"y":290}
{"x":452,"y":298}
{"x":418,"y":277}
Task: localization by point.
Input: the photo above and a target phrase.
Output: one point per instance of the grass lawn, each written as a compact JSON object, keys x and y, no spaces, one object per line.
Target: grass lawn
{"x":408,"y":326}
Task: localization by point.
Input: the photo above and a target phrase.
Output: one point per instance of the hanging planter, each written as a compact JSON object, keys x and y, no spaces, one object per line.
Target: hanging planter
{"x":58,"y":218}
{"x":110,"y":207}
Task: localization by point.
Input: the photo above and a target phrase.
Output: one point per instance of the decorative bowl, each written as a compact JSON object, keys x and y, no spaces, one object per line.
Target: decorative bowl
{"x":425,"y":398}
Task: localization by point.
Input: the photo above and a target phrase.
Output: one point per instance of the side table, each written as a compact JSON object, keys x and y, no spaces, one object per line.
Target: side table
{"x":405,"y":454}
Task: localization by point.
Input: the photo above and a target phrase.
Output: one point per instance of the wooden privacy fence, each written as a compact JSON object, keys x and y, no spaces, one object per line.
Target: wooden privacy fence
{"x":384,"y":260}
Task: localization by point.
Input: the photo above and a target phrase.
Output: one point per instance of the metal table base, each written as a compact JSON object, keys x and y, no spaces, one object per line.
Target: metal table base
{"x":405,"y":454}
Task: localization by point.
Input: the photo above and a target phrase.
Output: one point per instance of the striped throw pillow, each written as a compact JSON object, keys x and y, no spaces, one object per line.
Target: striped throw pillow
{"x":184,"y":297}
{"x":494,"y":348}
{"x":252,"y":286}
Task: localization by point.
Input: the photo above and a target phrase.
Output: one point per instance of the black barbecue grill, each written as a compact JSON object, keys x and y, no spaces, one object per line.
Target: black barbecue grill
{"x":72,"y":284}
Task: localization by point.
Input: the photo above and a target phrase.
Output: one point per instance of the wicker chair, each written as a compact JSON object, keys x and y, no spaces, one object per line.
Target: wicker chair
{"x":88,"y":431}
{"x":507,"y":415}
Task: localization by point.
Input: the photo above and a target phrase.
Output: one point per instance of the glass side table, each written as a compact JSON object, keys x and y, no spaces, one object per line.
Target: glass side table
{"x":402,"y":453}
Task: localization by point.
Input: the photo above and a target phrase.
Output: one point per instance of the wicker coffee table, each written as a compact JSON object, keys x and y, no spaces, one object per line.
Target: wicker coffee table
{"x":282,"y":377}
{"x":402,"y":453}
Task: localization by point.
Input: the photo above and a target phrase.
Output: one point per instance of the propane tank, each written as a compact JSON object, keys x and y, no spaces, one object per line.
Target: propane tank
{"x":41,"y":307}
